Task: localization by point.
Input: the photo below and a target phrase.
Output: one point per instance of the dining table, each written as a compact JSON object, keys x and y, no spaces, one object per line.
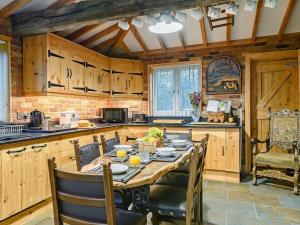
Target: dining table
{"x":139,"y":185}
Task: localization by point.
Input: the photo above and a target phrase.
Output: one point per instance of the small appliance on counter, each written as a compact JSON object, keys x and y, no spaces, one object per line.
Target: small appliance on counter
{"x":139,"y":118}
{"x":115,"y":115}
{"x":36,"y":120}
{"x":68,"y":119}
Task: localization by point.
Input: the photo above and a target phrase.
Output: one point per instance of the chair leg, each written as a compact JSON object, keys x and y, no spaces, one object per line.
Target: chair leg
{"x":155,"y":219}
{"x":201,"y":205}
{"x":254,"y":181}
{"x":296,"y":179}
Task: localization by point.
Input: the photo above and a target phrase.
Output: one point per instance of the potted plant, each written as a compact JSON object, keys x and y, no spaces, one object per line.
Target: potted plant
{"x":195,"y":100}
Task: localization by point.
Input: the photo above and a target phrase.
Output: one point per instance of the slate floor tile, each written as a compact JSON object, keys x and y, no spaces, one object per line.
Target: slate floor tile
{"x":290,"y":202}
{"x":247,"y":220}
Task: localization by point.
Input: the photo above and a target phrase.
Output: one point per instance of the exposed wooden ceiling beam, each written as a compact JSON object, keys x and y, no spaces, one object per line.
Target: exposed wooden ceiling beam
{"x":203,"y":32}
{"x":82,"y":31}
{"x":125,"y":47}
{"x":161,"y":42}
{"x":256,"y":20}
{"x":94,"y":11}
{"x":120,"y":37}
{"x":181,"y":39}
{"x":106,"y":43}
{"x":228,"y":31}
{"x":13,"y":7}
{"x":139,"y":39}
{"x":286,"y":17}
{"x":100,"y":35}
{"x":216,"y":45}
{"x":60,"y":3}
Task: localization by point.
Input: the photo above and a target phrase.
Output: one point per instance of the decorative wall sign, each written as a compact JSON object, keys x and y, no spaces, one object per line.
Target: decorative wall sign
{"x":223,"y":76}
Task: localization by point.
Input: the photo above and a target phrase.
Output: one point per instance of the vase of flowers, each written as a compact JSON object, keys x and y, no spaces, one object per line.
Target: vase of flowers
{"x":195,"y":100}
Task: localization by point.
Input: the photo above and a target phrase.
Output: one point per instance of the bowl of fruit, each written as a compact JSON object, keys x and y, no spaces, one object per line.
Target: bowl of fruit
{"x":152,"y":140}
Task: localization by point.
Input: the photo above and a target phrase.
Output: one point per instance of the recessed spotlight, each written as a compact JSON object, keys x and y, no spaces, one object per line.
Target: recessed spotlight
{"x":123,"y":24}
{"x":232,"y":8}
{"x":214,"y":12}
{"x":165,"y":17}
{"x":250,"y":5}
{"x":270,"y":3}
{"x":181,"y":16}
{"x":197,"y":14}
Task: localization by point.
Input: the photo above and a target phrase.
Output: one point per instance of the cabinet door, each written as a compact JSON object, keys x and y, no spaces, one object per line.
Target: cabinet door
{"x":232,"y":161}
{"x":11,"y":181}
{"x":91,"y":75}
{"x":103,"y":81}
{"x":66,"y":67}
{"x":77,"y":73}
{"x":119,"y":83}
{"x":35,"y":184}
{"x":136,"y":85}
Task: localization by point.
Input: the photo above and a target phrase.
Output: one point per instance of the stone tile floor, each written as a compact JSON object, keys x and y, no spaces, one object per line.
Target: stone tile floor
{"x":237,"y":204}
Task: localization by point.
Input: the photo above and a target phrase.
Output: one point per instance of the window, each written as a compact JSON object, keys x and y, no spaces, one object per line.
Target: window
{"x":170,"y":87}
{"x":4,"y":81}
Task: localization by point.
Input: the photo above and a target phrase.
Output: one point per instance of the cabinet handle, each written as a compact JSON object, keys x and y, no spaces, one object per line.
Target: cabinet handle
{"x":68,"y":73}
{"x":71,"y":73}
{"x":16,"y":152}
{"x":38,"y":148}
{"x":223,"y":151}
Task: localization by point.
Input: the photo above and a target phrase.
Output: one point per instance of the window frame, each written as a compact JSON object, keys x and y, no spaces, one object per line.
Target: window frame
{"x":151,"y":92}
{"x":8,"y":42}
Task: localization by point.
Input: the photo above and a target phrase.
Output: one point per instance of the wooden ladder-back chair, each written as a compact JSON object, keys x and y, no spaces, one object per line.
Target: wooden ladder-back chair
{"x":86,"y":154}
{"x":87,"y":199}
{"x":285,"y":134}
{"x":186,"y":205}
{"x":108,"y":144}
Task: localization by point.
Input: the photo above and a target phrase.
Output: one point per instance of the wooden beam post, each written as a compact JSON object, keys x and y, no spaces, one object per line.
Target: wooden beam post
{"x":203,"y":32}
{"x":161,"y":42}
{"x":181,"y":39}
{"x":12,"y":7}
{"x":82,"y":31}
{"x":106,"y":43}
{"x":94,"y":11}
{"x":139,"y":39}
{"x":256,"y":20}
{"x":228,"y":30}
{"x":286,"y":17}
{"x":119,"y":39}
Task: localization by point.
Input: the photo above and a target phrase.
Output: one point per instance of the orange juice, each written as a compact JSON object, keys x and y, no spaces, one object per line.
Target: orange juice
{"x":121,"y":154}
{"x":134,"y":160}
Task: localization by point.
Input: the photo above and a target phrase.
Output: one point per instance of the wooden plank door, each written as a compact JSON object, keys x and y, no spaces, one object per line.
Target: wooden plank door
{"x":77,"y":70}
{"x":275,"y":86}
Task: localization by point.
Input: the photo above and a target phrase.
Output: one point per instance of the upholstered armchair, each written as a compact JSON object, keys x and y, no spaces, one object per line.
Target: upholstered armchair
{"x":283,"y":134}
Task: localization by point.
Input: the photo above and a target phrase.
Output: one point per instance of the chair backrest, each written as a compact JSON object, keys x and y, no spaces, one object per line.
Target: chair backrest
{"x":168,"y":136}
{"x":284,"y":128}
{"x":108,"y":145}
{"x":86,"y":154}
{"x":81,"y":198}
{"x":204,"y":143}
{"x":195,"y":176}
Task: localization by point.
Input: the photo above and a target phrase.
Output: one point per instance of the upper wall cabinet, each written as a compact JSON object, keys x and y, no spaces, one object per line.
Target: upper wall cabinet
{"x":58,"y":66}
{"x":127,"y":78}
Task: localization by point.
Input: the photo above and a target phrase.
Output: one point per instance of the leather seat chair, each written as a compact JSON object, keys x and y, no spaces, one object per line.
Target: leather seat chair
{"x":81,"y":198}
{"x":169,"y":203}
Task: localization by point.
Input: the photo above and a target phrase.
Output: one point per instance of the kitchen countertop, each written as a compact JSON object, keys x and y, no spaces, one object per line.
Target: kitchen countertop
{"x":28,"y":135}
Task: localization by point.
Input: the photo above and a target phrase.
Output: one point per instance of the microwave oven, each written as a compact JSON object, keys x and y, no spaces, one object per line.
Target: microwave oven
{"x":115,"y":115}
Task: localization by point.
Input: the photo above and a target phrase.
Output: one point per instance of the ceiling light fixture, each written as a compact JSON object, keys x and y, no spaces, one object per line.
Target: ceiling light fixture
{"x":123,"y":24}
{"x":250,"y":6}
{"x":138,"y":23}
{"x":270,"y":3}
{"x":232,"y":8}
{"x":214,"y":12}
{"x":151,"y":20}
{"x":197,"y":14}
{"x":165,"y":17}
{"x":181,"y":16}
{"x":165,"y":28}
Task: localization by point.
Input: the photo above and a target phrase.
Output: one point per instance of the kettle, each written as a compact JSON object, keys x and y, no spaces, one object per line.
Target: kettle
{"x":36,"y":119}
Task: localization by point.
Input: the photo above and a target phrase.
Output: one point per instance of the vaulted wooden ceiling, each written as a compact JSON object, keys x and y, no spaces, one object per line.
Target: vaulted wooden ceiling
{"x":106,"y":37}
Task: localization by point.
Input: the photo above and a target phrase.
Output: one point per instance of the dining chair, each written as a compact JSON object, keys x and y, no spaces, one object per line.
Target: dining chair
{"x":168,"y":203}
{"x":86,"y":199}
{"x":87,"y":153}
{"x":181,"y":179}
{"x":108,"y":145}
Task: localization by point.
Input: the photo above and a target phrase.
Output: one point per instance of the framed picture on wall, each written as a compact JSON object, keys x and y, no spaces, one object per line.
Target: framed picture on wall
{"x":224,"y":76}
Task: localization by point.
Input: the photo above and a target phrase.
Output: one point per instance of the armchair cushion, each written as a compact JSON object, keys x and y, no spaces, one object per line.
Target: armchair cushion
{"x":130,"y":218}
{"x":275,"y":158}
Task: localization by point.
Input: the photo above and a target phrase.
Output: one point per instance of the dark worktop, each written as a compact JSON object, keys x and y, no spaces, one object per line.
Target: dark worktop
{"x":29,"y":135}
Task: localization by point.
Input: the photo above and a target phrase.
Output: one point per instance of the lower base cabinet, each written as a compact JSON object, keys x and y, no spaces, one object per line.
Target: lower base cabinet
{"x":24,"y":170}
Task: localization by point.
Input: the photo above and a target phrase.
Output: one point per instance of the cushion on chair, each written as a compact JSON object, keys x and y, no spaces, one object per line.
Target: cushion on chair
{"x":183,"y":169}
{"x":88,"y":153}
{"x":275,"y":158}
{"x":130,"y":218}
{"x":179,"y":180}
{"x":167,"y":200}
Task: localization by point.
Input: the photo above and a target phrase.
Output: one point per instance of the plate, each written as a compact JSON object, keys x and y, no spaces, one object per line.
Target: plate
{"x":165,"y":152}
{"x":118,"y":168}
{"x":179,"y":143}
{"x":127,"y":148}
